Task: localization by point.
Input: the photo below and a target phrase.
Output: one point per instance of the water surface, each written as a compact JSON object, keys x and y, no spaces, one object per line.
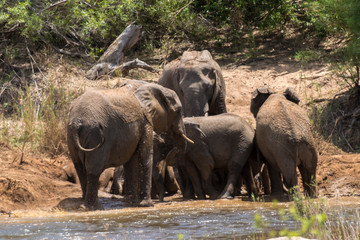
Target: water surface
{"x":220,"y":219}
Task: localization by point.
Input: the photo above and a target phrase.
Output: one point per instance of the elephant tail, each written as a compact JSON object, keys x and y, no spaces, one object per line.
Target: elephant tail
{"x":77,"y":139}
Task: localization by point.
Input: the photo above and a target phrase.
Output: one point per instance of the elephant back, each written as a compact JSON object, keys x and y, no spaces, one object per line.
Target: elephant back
{"x":284,"y":118}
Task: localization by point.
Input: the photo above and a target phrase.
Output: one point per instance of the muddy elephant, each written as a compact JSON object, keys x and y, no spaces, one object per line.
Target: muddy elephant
{"x":113,"y":127}
{"x":197,"y":80}
{"x":284,"y":137}
{"x":221,"y":142}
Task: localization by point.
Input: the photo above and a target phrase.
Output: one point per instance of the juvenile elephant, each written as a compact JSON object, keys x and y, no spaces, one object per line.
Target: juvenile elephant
{"x":197,"y":80}
{"x":222,"y":142}
{"x":284,"y":137}
{"x":113,"y":127}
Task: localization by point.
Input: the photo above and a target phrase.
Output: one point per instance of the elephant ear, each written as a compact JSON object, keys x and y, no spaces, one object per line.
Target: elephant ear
{"x":193,"y":129}
{"x":155,"y":104}
{"x":217,"y":102}
{"x":291,"y":95}
{"x":258,"y":97}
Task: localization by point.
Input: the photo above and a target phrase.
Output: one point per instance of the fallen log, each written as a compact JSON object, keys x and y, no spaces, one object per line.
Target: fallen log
{"x":112,"y":57}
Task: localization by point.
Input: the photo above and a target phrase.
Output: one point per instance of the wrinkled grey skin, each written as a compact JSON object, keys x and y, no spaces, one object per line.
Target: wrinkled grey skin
{"x":163,"y":175}
{"x":197,"y":80}
{"x":224,"y":142}
{"x":113,"y":127}
{"x":284,"y":137}
{"x":163,"y":178}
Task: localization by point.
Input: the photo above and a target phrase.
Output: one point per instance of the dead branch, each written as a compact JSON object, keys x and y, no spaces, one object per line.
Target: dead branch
{"x":180,"y":10}
{"x":54,"y":5}
{"x":126,"y":67}
{"x":115,"y":53}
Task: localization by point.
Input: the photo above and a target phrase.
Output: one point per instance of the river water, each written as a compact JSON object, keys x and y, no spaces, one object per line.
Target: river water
{"x":220,"y":219}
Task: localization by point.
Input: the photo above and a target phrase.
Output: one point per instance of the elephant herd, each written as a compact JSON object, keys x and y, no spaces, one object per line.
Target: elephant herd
{"x":177,"y":134}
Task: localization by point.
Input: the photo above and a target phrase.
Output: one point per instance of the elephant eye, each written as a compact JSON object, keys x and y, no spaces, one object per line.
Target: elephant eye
{"x":206,"y":71}
{"x":212,"y":74}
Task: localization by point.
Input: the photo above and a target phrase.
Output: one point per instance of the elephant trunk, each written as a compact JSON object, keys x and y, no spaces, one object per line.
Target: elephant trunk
{"x":180,"y":141}
{"x":195,"y":104}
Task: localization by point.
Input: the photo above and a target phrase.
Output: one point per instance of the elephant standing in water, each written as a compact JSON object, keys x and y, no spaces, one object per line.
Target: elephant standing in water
{"x":113,"y":127}
{"x":197,"y":80}
{"x":284,"y":137}
{"x":222,"y":142}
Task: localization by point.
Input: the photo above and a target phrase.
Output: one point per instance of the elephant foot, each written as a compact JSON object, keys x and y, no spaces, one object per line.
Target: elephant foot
{"x":188,"y":195}
{"x":201,"y":197}
{"x":146,"y":203}
{"x":280,"y":196}
{"x":226,"y":196}
{"x":130,"y":199}
{"x":87,"y":207}
{"x":214,"y":197}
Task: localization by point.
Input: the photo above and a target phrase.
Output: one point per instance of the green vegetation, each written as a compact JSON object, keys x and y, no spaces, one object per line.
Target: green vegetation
{"x":315,"y":218}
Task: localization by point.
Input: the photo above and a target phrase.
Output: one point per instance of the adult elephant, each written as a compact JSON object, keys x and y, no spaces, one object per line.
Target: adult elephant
{"x":284,"y":137}
{"x":222,"y":142}
{"x":197,"y":80}
{"x":113,"y":127}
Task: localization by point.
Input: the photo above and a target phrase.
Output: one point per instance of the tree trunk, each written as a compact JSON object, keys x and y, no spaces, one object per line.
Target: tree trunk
{"x":115,"y":53}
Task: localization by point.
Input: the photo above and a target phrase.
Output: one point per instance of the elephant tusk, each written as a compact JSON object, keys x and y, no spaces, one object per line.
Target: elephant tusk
{"x":187,"y":139}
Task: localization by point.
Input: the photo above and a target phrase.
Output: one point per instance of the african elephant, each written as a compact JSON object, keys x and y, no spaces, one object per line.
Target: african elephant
{"x":284,"y":137}
{"x":223,"y":141}
{"x":113,"y":127}
{"x":197,"y":80}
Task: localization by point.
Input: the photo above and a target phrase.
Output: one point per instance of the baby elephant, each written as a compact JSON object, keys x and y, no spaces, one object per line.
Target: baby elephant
{"x":284,"y":137}
{"x":221,"y":142}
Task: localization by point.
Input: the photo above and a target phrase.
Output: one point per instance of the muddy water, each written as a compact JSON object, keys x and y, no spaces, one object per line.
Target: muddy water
{"x":221,"y":219}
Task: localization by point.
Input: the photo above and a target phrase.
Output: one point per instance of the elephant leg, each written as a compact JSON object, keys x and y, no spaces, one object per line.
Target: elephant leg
{"x":248,"y":176}
{"x":275,"y":181}
{"x":131,"y":185}
{"x":308,"y":178}
{"x":116,"y":188}
{"x":195,"y":179}
{"x":233,"y":175}
{"x":82,"y":177}
{"x":184,"y":181}
{"x":80,"y":170}
{"x":265,"y":179}
{"x":145,"y":152}
{"x":91,"y":198}
{"x":158,"y":182}
{"x":288,"y":170}
{"x":307,"y":167}
{"x":170,"y":182}
{"x":205,"y":164}
{"x":235,"y":168}
{"x":93,"y":172}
